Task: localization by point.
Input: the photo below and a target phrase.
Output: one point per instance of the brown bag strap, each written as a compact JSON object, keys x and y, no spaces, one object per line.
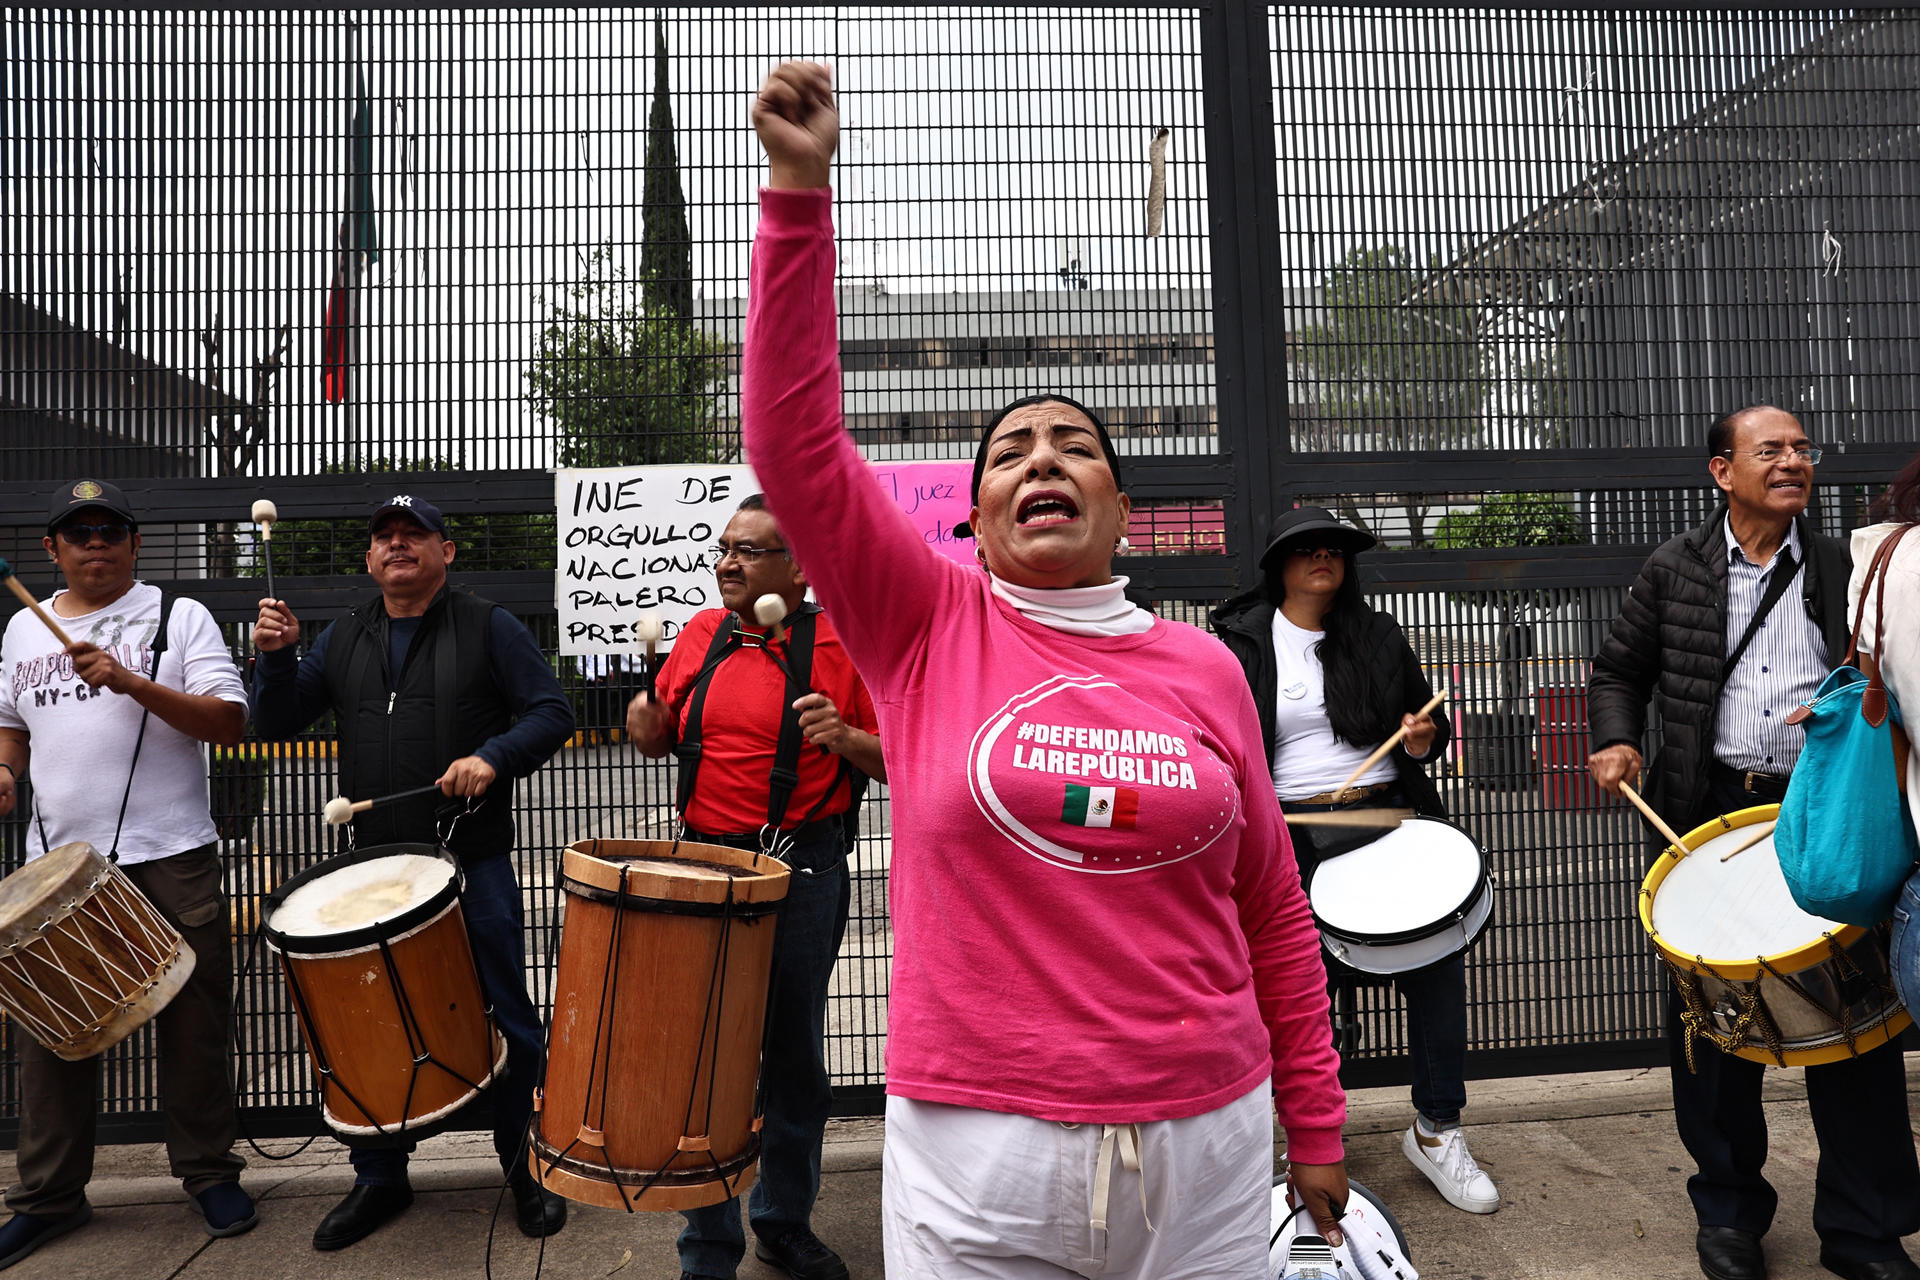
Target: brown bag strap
{"x":1873,"y":700}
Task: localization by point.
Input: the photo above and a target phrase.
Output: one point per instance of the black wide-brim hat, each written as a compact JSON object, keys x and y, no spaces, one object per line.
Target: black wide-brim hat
{"x":1319,"y":523}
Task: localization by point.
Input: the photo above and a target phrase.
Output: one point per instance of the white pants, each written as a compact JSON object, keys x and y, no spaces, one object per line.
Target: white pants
{"x":969,"y":1193}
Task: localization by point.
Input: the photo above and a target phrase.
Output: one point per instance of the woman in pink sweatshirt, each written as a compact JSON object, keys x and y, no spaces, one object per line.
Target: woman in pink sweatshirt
{"x":1106,"y":980}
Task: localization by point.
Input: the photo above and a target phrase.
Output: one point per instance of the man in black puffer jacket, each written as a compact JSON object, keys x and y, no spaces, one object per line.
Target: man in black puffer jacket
{"x":432,"y":687}
{"x":1702,"y":636}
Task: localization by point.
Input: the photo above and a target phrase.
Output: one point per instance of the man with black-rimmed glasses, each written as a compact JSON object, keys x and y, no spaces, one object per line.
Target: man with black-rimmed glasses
{"x":740,"y":704}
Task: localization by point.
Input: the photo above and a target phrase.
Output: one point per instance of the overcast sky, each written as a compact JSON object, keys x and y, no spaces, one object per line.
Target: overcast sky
{"x":202,"y":154}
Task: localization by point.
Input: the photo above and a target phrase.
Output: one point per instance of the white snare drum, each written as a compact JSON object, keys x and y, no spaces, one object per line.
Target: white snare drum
{"x":1414,"y":897}
{"x":1759,"y":977}
{"x":85,"y":959}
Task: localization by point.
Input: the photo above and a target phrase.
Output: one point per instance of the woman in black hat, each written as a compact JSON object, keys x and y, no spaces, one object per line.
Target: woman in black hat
{"x":1333,"y":678}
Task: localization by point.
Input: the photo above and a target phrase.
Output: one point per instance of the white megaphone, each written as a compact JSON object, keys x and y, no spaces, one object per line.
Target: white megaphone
{"x":1374,"y":1247}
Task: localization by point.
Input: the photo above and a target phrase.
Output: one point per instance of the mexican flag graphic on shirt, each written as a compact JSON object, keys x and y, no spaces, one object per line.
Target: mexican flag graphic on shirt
{"x":1100,"y":806}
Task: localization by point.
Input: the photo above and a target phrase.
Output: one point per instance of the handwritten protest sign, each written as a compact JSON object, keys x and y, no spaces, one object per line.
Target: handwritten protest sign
{"x":639,"y":540}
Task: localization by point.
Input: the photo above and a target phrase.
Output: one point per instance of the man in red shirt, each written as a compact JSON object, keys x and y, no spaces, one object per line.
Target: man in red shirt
{"x":762,"y":746}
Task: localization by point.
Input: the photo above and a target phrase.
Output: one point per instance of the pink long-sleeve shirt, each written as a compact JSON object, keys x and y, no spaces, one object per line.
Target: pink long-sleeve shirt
{"x":1096,"y":909}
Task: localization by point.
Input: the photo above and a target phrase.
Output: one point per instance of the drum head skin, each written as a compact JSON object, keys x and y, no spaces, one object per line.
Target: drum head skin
{"x":1737,"y":908}
{"x":361,"y":898}
{"x":1398,"y":886}
{"x":45,"y":887}
{"x":362,"y":895}
{"x":1729,"y":913}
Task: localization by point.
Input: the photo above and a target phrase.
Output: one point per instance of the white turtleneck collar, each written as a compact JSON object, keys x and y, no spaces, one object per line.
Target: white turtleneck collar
{"x":1082,"y":611}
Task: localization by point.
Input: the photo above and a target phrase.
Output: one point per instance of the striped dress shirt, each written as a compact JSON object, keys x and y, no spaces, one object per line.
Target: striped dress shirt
{"x":1781,"y":668}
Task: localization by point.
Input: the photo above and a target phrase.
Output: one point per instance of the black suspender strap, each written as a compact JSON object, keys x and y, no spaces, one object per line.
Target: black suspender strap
{"x":686,"y":750}
{"x":784,"y":778}
{"x":1785,"y":570}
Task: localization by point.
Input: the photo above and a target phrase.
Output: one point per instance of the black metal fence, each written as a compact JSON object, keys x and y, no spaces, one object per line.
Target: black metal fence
{"x":1476,"y":277}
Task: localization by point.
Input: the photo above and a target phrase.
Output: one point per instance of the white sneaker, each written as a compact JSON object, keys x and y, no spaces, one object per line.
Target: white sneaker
{"x":1450,"y":1167}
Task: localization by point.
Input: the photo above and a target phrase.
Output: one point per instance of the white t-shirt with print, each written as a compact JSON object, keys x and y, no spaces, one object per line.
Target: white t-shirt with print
{"x":82,"y":739}
{"x":1307,"y":758}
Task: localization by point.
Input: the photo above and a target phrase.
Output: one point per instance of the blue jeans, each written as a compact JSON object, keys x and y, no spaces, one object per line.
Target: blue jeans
{"x":793,"y":1065}
{"x":496,"y":929}
{"x":1436,"y":999}
{"x":1906,"y":943}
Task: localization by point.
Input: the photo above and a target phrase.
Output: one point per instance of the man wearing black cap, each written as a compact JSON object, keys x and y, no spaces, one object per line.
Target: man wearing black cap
{"x":145,"y":682}
{"x":431,"y":686}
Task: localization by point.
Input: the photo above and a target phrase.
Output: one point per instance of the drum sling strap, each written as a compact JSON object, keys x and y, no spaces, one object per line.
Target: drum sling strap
{"x":1784,"y":573}
{"x":784,"y":777}
{"x":158,"y":647}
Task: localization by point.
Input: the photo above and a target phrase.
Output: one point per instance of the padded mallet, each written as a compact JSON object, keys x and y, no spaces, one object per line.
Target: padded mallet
{"x":768,"y":610}
{"x":339,"y":811}
{"x":264,"y":514}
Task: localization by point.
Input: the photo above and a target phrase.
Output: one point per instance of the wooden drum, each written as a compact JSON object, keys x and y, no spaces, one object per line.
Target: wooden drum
{"x":377,"y":960}
{"x":659,"y":1008}
{"x":85,"y":959}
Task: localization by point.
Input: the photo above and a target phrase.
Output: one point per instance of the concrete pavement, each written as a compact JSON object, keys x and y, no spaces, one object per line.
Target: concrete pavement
{"x":1590,"y":1171}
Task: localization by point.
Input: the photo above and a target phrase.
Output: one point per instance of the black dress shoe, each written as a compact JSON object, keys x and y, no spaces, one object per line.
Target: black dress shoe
{"x":1728,"y":1253}
{"x":364,"y":1211}
{"x":1900,"y":1268}
{"x":539,"y":1211}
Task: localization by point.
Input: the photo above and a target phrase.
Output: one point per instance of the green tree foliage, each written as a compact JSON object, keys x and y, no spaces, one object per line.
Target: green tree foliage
{"x":1511,"y":520}
{"x":1502,"y":521}
{"x":624,"y":382}
{"x":621,"y":369}
{"x":1390,"y":365}
{"x":338,"y":545}
{"x":666,"y":256}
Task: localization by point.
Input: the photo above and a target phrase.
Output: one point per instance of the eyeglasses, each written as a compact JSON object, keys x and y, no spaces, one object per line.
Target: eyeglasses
{"x":79,"y":535}
{"x":745,"y":550}
{"x":1767,"y":453}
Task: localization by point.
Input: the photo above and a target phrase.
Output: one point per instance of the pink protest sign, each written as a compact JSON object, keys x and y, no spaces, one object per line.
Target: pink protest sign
{"x":935,"y":496}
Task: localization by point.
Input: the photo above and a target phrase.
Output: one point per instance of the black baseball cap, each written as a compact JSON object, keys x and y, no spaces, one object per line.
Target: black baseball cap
{"x":424,"y":513}
{"x":1316,"y":523}
{"x":85,"y":493}
{"x":964,"y":529}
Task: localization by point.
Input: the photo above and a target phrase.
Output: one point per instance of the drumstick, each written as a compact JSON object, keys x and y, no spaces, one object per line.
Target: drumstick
{"x":1766,"y":829}
{"x":26,"y":598}
{"x":1673,"y":837}
{"x":648,"y":631}
{"x":340,"y":810}
{"x":1390,"y":743}
{"x":768,"y":610}
{"x":1350,"y":818}
{"x":264,"y":514}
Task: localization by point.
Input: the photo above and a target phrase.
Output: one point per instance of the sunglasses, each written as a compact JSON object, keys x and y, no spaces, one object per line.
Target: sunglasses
{"x":79,"y":535}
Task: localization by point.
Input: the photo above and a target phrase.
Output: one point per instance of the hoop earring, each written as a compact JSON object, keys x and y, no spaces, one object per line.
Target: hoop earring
{"x":1123,"y":547}
{"x":980,"y":554}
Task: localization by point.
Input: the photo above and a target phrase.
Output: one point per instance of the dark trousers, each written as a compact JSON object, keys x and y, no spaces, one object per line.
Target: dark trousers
{"x":1436,"y":999}
{"x":1436,"y":996}
{"x":59,"y":1099}
{"x":793,"y":1064}
{"x":490,"y":904}
{"x":1867,"y":1184}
